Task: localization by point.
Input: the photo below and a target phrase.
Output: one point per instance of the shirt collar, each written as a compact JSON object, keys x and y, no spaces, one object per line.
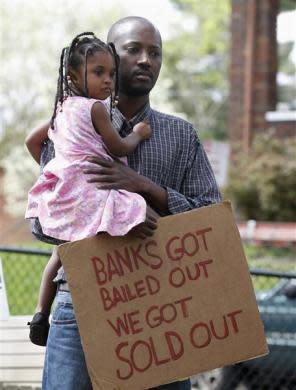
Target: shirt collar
{"x":119,"y":120}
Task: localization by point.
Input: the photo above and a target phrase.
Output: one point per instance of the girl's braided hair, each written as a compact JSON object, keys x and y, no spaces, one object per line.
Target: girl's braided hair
{"x":75,"y":55}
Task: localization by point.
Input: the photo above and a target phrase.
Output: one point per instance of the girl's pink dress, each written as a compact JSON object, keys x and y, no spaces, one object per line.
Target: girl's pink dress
{"x":68,"y":207}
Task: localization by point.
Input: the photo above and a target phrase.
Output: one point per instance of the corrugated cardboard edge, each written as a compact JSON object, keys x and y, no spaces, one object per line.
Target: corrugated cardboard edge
{"x":101,"y":384}
{"x":264,"y":346}
{"x":104,"y":384}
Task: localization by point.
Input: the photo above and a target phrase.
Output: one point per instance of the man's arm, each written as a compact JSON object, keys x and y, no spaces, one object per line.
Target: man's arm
{"x":35,"y":140}
{"x":114,"y":175}
{"x":199,"y":187}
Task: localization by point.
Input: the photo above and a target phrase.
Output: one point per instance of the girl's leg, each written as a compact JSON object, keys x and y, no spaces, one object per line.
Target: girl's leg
{"x":39,"y":326}
{"x":48,"y":288}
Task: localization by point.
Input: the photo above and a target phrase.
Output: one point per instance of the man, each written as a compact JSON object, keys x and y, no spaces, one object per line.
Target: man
{"x":170,"y":170}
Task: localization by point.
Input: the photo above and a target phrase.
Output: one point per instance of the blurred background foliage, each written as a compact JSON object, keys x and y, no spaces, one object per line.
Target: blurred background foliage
{"x":32,"y":37}
{"x":262,"y":183}
{"x":193,"y":83}
{"x":197,"y":65}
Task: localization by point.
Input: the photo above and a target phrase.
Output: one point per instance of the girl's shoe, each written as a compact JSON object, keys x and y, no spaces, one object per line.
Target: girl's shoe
{"x":39,"y":327}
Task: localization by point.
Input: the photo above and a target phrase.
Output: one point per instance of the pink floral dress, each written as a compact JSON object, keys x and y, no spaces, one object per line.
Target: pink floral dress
{"x":68,"y":207}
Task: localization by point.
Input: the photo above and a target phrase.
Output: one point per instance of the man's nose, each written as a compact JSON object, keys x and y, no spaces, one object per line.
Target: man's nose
{"x":144,"y":58}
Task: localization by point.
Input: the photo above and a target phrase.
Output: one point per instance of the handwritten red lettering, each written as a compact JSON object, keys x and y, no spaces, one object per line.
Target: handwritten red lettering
{"x":195,"y":333}
{"x":137,"y":257}
{"x":175,"y":355}
{"x":184,"y":307}
{"x":202,"y":333}
{"x":123,"y":260}
{"x":118,"y":351}
{"x":120,"y":326}
{"x":111,"y":297}
{"x":202,"y":233}
{"x":152,"y":255}
{"x":146,"y":351}
{"x":178,"y":252}
{"x":142,"y":354}
{"x":233,"y":320}
{"x":99,"y":269}
{"x":128,"y":260}
{"x":185,"y":243}
{"x":204,"y":264}
{"x":134,"y":322}
{"x":140,"y":288}
{"x":179,"y":275}
{"x":214,"y":332}
{"x":153,"y":284}
{"x":126,"y":324}
{"x":112,"y":267}
{"x":189,"y":244}
{"x":167,"y":313}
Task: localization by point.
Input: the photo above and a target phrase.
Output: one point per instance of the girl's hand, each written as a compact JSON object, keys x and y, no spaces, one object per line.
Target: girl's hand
{"x":143,"y":129}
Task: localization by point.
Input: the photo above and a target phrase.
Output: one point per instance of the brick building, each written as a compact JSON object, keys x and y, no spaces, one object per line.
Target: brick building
{"x":253,"y":70}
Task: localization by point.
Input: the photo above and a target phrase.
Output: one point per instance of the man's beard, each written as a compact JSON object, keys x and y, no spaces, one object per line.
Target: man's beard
{"x":128,"y":89}
{"x":135,"y":91}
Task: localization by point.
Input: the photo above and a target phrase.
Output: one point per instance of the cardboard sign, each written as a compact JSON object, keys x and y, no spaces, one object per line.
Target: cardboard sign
{"x":153,"y":311}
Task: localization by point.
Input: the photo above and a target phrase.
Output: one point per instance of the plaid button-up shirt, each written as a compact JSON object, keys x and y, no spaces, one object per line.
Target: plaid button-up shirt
{"x":172,"y":158}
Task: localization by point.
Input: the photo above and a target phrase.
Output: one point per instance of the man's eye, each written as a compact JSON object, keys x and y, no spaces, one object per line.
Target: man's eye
{"x":98,"y":72}
{"x":112,"y":75}
{"x":154,"y":54}
{"x":132,"y":50}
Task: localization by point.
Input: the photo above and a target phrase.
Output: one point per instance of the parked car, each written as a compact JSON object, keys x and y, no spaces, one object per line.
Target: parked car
{"x":277,"y":370}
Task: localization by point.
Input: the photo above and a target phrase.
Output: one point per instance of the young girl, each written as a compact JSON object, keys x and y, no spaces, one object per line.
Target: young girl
{"x":68,"y":207}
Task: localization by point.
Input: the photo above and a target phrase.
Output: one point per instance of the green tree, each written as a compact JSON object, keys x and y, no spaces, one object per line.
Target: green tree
{"x":32,"y":36}
{"x":262,"y":184}
{"x":287,"y":5}
{"x":197,"y":62}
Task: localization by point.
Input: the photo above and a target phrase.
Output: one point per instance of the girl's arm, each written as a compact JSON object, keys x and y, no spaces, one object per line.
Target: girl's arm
{"x":35,"y":140}
{"x":116,"y":145}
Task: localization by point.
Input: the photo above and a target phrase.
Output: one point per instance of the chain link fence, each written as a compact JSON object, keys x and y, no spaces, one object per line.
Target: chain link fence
{"x":22,"y":270}
{"x":276,"y":297}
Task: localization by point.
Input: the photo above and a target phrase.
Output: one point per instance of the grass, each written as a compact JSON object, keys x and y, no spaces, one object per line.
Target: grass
{"x":22,"y":275}
{"x":254,"y":252}
{"x":23,"y":272}
{"x":271,"y":259}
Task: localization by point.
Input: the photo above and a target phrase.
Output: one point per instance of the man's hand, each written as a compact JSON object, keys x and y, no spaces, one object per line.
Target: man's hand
{"x":113,"y":175}
{"x":146,"y":229}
